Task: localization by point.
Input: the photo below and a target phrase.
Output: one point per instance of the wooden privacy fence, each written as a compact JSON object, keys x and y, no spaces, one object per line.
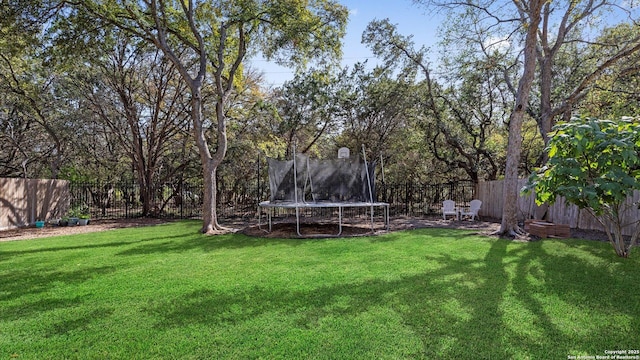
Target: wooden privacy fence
{"x":491,"y":194}
{"x":23,"y":201}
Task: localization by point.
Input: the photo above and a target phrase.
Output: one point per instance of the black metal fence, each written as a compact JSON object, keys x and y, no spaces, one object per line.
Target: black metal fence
{"x":183,"y":200}
{"x":424,"y":199}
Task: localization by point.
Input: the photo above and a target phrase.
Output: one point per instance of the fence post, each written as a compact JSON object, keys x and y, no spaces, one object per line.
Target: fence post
{"x":182,"y":198}
{"x":406,"y":198}
{"x":126,"y":202}
{"x":258,"y":192}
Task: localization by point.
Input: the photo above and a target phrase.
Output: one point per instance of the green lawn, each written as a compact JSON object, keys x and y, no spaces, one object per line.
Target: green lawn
{"x":167,"y":292}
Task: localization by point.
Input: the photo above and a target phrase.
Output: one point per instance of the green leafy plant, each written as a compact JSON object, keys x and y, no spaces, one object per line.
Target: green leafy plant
{"x":594,"y":164}
{"x":81,"y":212}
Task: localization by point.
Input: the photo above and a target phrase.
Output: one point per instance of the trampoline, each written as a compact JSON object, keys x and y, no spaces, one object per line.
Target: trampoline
{"x":305,"y":183}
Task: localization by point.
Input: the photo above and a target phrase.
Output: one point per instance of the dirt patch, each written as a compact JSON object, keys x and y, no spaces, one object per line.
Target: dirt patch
{"x":93,"y":226}
{"x":287,"y":229}
{"x":319,"y":228}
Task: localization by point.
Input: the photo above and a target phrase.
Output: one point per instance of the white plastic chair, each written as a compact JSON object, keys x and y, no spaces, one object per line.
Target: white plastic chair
{"x":474,"y":207}
{"x":449,"y":208}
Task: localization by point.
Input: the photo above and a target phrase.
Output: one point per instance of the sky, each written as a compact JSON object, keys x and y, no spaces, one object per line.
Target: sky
{"x":410,"y":19}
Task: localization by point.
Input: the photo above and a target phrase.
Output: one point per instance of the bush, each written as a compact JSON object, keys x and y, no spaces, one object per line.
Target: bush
{"x":595,"y":165}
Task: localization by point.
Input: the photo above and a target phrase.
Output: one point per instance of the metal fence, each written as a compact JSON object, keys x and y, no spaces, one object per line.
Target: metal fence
{"x":424,"y":199}
{"x":183,"y":200}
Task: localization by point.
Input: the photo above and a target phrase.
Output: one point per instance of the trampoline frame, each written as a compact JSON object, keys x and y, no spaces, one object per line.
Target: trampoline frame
{"x":297,"y":205}
{"x":339,"y":205}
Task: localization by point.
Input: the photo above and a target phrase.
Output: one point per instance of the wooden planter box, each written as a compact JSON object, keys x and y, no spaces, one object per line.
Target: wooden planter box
{"x":561,"y":230}
{"x":546,"y":229}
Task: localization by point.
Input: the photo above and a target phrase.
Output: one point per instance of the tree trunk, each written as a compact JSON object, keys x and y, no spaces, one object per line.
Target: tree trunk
{"x":209,"y":214}
{"x":210,"y":163}
{"x":545,"y":122}
{"x":509,"y":226}
{"x":146,"y":195}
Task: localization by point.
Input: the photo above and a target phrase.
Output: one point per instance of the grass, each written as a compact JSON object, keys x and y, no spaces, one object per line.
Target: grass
{"x":166,"y":292}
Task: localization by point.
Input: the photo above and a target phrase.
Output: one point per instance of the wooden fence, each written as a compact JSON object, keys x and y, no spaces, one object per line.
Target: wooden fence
{"x":23,"y":201}
{"x":491,"y":194}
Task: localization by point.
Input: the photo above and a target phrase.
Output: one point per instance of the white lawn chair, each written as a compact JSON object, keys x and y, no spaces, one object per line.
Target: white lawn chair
{"x":449,"y":208}
{"x":472,"y":211}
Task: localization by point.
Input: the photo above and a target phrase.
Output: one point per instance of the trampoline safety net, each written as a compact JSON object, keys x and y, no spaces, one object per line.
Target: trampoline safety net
{"x":335,"y":180}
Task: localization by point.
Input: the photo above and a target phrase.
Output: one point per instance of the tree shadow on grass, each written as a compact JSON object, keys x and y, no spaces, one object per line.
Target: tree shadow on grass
{"x":78,"y":322}
{"x":208,"y":243}
{"x":22,"y":283}
{"x":191,"y":241}
{"x":6,"y":255}
{"x":458,"y":309}
{"x":431,"y":317}
{"x":426,"y":234}
{"x":589,"y":278}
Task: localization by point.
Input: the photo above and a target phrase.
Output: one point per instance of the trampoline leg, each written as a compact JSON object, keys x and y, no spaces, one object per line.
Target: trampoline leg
{"x":339,"y":220}
{"x":372,"y":230}
{"x":387,"y":216}
{"x":298,"y":221}
{"x":268,"y":213}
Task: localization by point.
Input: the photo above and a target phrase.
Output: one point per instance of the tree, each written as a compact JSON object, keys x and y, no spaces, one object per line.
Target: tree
{"x":16,"y":138}
{"x":571,"y":61}
{"x":595,"y":164}
{"x":137,"y":95}
{"x":307,"y":109}
{"x":550,"y":34}
{"x":248,"y":131}
{"x":378,"y":111}
{"x":29,"y":86}
{"x":458,"y":120}
{"x":217,"y":37}
{"x":477,"y":102}
{"x":617,"y":91}
{"x":530,"y":17}
{"x":526,"y":17}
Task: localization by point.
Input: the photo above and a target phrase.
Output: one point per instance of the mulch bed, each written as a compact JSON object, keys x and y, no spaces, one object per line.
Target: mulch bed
{"x":25,"y":233}
{"x":288,"y":230}
{"x":321,"y":228}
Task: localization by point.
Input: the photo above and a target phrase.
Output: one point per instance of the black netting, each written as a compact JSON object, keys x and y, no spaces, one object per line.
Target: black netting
{"x":338,"y":180}
{"x":281,"y":178}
